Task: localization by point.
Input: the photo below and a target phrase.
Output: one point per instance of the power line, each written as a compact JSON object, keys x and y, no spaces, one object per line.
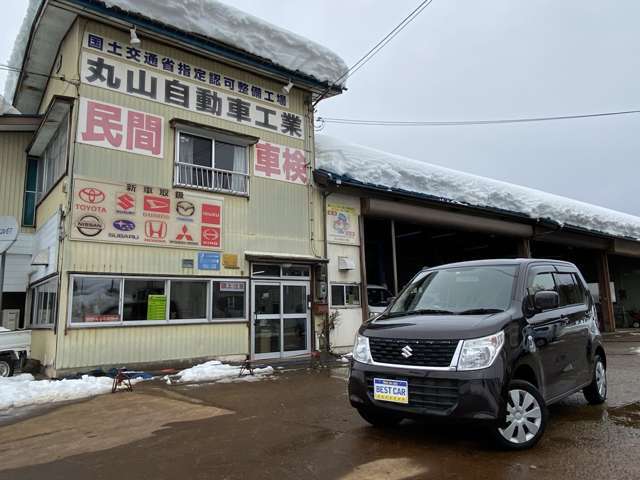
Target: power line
{"x":9,"y":68}
{"x":417,"y":123}
{"x":378,"y":46}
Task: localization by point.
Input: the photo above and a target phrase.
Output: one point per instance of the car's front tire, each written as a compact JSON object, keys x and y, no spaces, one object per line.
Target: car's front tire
{"x":524,"y":420}
{"x":379,"y":418}
{"x":6,"y":367}
{"x":596,"y":391}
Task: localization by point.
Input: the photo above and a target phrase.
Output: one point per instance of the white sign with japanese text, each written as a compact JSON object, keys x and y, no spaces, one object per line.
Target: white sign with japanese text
{"x":119,"y":128}
{"x":342,"y":224}
{"x":156,"y":61}
{"x":111,"y":74}
{"x":144,"y":215}
{"x":279,"y":162}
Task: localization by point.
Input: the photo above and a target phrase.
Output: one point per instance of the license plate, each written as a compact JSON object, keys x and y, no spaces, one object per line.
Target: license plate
{"x":396,"y":391}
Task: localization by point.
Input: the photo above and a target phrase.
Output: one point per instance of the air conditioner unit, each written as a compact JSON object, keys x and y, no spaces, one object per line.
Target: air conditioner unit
{"x":10,"y":319}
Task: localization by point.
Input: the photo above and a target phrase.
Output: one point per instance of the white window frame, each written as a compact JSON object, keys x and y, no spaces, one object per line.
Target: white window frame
{"x":280,"y":267}
{"x":344,"y":289}
{"x":194,"y":132}
{"x":167,"y":321}
{"x":32,"y":310}
{"x":61,"y":162}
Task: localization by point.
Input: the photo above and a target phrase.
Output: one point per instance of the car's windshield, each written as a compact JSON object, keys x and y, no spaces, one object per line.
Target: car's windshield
{"x":459,"y":290}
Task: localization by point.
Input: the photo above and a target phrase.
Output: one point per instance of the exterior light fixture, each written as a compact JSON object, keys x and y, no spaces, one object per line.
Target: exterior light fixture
{"x":287,"y":88}
{"x":134,"y":36}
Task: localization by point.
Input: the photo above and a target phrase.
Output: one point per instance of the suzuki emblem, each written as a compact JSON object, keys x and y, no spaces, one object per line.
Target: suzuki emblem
{"x":407,"y":351}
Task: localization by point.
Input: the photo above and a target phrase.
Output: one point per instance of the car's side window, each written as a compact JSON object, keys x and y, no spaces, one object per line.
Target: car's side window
{"x":540,"y":282}
{"x":568,"y":290}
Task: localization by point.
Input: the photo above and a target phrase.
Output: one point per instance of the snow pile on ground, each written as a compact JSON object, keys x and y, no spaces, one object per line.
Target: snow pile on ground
{"x":23,"y":390}
{"x":7,"y":108}
{"x":218,"y":371}
{"x":394,"y":172}
{"x":238,"y":29}
{"x":19,"y":47}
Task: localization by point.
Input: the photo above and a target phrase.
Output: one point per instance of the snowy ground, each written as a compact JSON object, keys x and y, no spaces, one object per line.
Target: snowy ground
{"x":23,"y":390}
{"x":217,"y":371}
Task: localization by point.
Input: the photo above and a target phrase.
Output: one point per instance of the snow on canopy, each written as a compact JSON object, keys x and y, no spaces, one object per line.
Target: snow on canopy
{"x":394,"y":172}
{"x":236,"y":28}
{"x":7,"y":108}
{"x":19,"y":47}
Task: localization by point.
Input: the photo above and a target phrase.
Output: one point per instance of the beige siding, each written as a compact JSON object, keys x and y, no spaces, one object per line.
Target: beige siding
{"x":43,"y":347}
{"x":50,"y":204}
{"x":127,"y":345}
{"x":13,"y":167}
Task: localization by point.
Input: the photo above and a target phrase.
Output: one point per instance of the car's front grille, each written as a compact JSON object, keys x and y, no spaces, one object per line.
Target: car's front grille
{"x":438,"y":394}
{"x":424,"y":353}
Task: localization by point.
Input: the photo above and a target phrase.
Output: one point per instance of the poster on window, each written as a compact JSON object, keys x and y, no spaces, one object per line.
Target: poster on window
{"x":145,"y":215}
{"x":342,"y":224}
{"x":119,"y":128}
{"x":279,"y":162}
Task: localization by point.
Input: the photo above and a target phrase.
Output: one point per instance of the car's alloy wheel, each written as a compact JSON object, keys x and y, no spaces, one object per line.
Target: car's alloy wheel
{"x":601,"y":379}
{"x":596,"y":391}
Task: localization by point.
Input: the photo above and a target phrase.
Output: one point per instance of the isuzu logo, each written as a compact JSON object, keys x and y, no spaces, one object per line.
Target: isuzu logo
{"x":407,"y":351}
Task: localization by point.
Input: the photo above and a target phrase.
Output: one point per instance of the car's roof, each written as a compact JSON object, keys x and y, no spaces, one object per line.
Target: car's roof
{"x":502,"y":261}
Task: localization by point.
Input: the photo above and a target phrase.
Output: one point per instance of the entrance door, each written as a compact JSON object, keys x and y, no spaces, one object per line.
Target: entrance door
{"x":280,"y":319}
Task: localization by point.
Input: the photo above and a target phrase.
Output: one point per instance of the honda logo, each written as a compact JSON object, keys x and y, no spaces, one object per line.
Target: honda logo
{"x":155,"y":229}
{"x":407,"y":351}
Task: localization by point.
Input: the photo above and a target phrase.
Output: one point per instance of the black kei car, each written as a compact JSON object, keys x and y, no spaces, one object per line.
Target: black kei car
{"x":493,"y":341}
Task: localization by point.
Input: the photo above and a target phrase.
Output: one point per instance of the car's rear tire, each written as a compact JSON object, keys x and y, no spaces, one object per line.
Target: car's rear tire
{"x":596,"y":391}
{"x":380,"y":418}
{"x":6,"y":367}
{"x":525,"y":417}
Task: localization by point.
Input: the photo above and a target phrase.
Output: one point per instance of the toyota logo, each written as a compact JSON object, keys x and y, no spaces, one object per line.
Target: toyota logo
{"x":91,"y":195}
{"x":407,"y":351}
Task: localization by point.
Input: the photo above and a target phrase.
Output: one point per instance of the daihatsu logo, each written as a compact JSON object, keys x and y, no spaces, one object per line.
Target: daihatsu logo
{"x":406,"y":351}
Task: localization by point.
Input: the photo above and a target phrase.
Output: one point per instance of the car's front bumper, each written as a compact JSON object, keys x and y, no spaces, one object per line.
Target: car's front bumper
{"x":470,"y":395}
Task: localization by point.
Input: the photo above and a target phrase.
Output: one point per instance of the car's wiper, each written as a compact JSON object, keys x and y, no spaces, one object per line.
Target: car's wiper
{"x":479,"y":311}
{"x":421,"y":311}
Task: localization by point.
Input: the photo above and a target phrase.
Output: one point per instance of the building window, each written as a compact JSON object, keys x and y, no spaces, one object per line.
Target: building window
{"x":208,"y":163}
{"x":228,"y":300}
{"x":144,"y":300}
{"x":44,"y":302}
{"x":96,"y":300}
{"x":188,"y":300}
{"x":104,"y":301}
{"x":30,"y":193}
{"x":278,"y":271}
{"x":53,"y":162}
{"x":343,"y":295}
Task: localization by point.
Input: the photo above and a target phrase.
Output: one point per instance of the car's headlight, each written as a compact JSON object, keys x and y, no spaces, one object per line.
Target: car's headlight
{"x":480,"y":352}
{"x":361,"y":352}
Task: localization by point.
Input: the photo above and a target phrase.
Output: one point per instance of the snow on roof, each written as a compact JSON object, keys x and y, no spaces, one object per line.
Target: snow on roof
{"x":19,"y":47}
{"x":7,"y":108}
{"x":236,"y":28}
{"x":394,"y":172}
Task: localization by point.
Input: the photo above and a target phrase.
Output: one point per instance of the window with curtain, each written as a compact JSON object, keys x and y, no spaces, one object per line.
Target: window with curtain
{"x":211,"y":164}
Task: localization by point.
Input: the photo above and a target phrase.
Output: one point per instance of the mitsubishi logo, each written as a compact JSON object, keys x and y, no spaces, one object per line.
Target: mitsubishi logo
{"x":406,"y":351}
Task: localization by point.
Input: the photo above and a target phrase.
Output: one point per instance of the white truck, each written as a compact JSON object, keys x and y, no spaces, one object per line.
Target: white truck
{"x":15,"y":348}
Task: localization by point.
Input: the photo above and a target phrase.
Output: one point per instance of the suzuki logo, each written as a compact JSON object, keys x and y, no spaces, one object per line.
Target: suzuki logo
{"x":126,"y":201}
{"x":155,"y":229}
{"x":406,"y":351}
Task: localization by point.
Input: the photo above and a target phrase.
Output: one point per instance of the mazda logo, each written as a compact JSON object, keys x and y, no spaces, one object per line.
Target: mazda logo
{"x":407,"y":351}
{"x":184,"y":208}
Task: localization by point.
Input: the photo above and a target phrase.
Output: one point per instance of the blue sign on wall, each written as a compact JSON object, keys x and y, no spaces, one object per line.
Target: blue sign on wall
{"x":208,"y":260}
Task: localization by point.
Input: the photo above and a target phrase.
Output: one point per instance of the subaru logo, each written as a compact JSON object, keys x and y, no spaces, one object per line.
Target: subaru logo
{"x":407,"y":351}
{"x":124,"y":225}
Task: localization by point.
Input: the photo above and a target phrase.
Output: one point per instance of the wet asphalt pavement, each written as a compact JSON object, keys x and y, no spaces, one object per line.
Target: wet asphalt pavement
{"x":299,"y":425}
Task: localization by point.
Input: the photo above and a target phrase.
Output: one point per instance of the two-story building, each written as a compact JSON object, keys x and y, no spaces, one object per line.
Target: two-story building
{"x":169,"y":178}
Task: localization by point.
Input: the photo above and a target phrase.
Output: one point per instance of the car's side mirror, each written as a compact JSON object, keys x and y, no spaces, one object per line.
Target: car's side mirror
{"x":546,"y":300}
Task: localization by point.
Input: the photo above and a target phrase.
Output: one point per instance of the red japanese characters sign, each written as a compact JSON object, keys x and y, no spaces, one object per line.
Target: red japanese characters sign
{"x":145,"y":215}
{"x":279,"y":162}
{"x":119,"y":128}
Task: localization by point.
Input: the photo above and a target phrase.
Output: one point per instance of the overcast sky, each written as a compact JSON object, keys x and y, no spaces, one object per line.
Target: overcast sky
{"x":469,"y":59}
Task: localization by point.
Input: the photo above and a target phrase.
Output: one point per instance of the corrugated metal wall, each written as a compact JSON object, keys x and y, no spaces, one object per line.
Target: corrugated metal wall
{"x":13,"y":167}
